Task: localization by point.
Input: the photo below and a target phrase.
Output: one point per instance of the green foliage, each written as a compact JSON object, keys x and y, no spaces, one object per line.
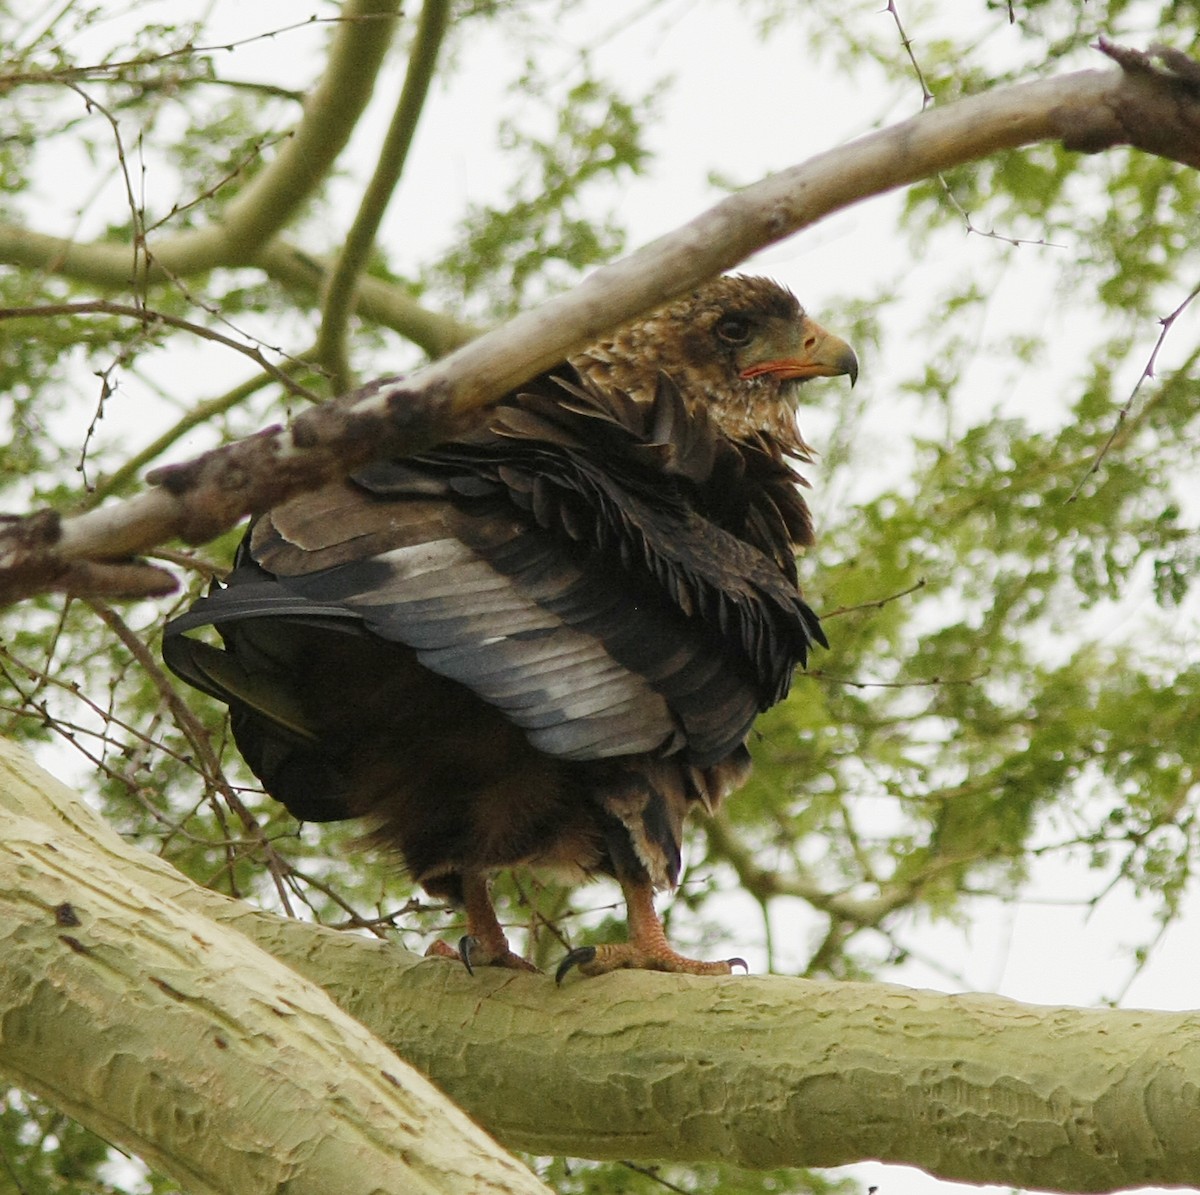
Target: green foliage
{"x":43,"y":1152}
{"x":547,"y":232}
{"x":1009,"y":589}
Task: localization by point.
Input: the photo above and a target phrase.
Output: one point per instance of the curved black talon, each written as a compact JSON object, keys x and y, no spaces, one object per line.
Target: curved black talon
{"x":574,"y":958}
{"x":465,"y":946}
{"x":738,"y":962}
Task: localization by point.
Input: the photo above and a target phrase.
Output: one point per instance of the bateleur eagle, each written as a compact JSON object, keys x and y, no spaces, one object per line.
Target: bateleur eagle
{"x":544,"y":643}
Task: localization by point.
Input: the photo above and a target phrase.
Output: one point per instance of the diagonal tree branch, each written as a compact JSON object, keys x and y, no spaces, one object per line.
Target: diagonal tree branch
{"x":270,"y":1085}
{"x":1149,"y":107}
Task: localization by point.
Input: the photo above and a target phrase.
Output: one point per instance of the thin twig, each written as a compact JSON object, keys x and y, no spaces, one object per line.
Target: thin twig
{"x":931,"y":682}
{"x":651,"y":1172}
{"x":151,"y":318}
{"x":907,"y":44}
{"x":231,"y":175}
{"x":107,"y":70}
{"x":1165,"y":324}
{"x":198,"y":737}
{"x":878,"y":603}
{"x":138,"y":246}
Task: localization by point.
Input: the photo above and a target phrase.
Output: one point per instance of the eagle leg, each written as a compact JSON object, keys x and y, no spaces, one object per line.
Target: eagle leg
{"x":647,"y":948}
{"x":484,"y":944}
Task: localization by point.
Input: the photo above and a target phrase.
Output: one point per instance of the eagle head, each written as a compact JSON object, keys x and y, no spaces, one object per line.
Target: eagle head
{"x":739,"y":345}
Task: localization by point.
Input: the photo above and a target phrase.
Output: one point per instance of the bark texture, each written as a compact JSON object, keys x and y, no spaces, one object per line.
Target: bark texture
{"x":756,"y":1071}
{"x":184,"y":1042}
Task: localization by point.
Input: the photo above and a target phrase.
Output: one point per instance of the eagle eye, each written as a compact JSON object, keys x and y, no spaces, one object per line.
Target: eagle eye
{"x":734,"y":329}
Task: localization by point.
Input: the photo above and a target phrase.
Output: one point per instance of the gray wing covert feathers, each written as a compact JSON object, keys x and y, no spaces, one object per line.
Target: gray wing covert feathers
{"x":614,"y":576}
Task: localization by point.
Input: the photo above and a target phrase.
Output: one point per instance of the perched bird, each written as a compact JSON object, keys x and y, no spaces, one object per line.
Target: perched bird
{"x":544,"y":643}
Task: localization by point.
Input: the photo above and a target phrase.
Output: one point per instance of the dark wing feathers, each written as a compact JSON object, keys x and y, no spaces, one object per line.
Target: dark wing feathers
{"x":520,"y":633}
{"x":606,"y":572}
{"x":224,"y":675}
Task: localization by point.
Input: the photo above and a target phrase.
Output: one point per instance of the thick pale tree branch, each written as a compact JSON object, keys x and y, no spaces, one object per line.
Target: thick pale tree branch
{"x":179,"y":1039}
{"x":1136,"y":104}
{"x":761,"y":1072}
{"x":106,"y":267}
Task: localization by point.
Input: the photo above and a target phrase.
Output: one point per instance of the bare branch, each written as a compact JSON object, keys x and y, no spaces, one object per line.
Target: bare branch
{"x":877,"y":603}
{"x":906,"y":44}
{"x":210,"y":765}
{"x":1141,"y":105}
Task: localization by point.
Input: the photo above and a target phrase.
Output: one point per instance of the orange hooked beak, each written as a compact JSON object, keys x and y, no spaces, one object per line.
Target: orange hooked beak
{"x":812,"y":353}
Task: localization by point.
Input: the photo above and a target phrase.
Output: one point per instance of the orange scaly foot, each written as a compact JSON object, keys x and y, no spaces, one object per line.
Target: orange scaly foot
{"x":647,"y":948}
{"x":484,"y":944}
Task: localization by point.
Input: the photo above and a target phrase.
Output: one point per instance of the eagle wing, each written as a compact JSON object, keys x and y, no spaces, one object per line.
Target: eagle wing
{"x":575,"y":564}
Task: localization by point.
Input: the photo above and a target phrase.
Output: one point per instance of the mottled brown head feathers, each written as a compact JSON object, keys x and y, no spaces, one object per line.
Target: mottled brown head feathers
{"x":740,"y":345}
